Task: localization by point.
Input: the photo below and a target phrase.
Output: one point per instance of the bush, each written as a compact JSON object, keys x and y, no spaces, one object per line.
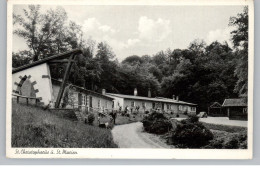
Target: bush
{"x":177,"y":115}
{"x":193,"y":118}
{"x":190,"y":133}
{"x":91,"y":118}
{"x":229,"y":141}
{"x":146,"y":112}
{"x":156,"y":123}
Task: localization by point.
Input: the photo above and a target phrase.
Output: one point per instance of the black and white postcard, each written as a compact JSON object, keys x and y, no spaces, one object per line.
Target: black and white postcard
{"x":161,"y":79}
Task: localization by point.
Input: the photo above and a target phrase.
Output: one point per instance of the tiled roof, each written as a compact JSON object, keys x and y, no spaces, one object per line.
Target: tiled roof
{"x":165,"y":100}
{"x":57,"y":56}
{"x":235,"y":102}
{"x":55,"y":81}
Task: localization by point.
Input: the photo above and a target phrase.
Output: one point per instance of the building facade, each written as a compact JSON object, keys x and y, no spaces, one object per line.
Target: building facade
{"x":82,"y":99}
{"x":236,"y":108}
{"x":148,"y":103}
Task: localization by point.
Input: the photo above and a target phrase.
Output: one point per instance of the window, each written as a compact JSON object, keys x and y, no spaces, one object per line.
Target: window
{"x":99,"y":103}
{"x":90,"y":102}
{"x":84,"y":99}
{"x":244,"y":110}
{"x":168,"y":106}
{"x":143,"y":105}
{"x":106,"y":105}
{"x":193,"y":109}
{"x":132,"y":103}
{"x":180,"y":107}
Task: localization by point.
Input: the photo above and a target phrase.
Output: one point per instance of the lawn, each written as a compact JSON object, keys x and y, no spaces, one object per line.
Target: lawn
{"x":226,"y":128}
{"x":34,"y":127}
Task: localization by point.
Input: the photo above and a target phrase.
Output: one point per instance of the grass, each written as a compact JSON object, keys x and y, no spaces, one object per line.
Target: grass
{"x":34,"y":127}
{"x":226,"y":128}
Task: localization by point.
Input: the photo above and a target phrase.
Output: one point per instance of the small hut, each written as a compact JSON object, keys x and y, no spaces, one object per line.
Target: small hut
{"x":215,"y":109}
{"x":236,"y":108}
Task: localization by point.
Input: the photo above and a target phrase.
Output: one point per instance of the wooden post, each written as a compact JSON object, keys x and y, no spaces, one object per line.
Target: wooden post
{"x":27,"y":101}
{"x":63,"y":84}
{"x":17,"y":99}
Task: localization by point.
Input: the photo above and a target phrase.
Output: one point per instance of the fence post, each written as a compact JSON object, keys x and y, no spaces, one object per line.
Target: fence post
{"x":27,"y":101}
{"x":17,"y":99}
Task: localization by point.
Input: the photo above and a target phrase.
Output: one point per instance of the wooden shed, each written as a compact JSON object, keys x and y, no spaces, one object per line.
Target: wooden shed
{"x":215,"y":109}
{"x":236,"y":108}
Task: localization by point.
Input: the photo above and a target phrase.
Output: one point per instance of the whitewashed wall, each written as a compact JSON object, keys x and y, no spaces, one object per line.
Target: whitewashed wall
{"x":43,"y":85}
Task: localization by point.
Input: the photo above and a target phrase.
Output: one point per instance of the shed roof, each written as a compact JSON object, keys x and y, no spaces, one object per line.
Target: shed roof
{"x":161,"y":99}
{"x":235,"y":102}
{"x":58,"y":82}
{"x":57,"y":56}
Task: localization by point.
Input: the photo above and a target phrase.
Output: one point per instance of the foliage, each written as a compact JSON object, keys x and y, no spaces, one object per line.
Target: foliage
{"x":21,"y":58}
{"x":228,"y":141}
{"x":193,"y":118}
{"x":68,"y":97}
{"x":240,"y":40}
{"x":44,"y":33}
{"x":226,"y":128}
{"x":91,"y":118}
{"x":156,"y":123}
{"x":190,"y":134}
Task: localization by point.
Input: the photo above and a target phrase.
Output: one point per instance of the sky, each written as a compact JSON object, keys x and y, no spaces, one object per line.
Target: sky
{"x":141,"y":30}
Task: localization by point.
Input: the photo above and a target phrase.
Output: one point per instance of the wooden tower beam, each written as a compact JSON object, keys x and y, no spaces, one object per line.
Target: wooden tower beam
{"x":64,"y":81}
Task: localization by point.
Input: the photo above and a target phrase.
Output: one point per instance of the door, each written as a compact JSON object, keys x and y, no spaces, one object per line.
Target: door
{"x":90,"y":103}
{"x":79,"y":101}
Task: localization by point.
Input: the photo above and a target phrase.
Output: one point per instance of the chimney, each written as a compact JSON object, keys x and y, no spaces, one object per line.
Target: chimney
{"x":135,"y":92}
{"x":149,"y":93}
{"x":173,"y":97}
{"x":103,"y":91}
{"x":177,"y":98}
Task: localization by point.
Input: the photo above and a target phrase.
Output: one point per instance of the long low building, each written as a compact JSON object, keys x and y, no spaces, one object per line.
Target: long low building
{"x":148,"y":103}
{"x":82,"y":99}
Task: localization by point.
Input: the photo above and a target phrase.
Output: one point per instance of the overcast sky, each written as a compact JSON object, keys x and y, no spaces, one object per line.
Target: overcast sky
{"x":140,"y":30}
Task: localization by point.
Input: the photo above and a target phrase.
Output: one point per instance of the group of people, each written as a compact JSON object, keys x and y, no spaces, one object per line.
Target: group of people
{"x":127,"y":109}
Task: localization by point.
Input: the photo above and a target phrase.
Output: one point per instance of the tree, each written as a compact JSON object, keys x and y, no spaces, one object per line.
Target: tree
{"x":47,"y":34}
{"x":240,"y":41}
{"x":21,"y":58}
{"x":133,"y":60}
{"x":29,"y":29}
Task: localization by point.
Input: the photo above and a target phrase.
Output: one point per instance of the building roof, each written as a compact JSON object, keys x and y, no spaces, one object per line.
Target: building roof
{"x":156,"y":99}
{"x":215,"y":105}
{"x":57,"y":56}
{"x":234,"y":102}
{"x":55,"y":81}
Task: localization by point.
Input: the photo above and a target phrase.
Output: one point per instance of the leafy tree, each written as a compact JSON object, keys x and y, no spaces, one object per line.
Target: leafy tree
{"x":133,"y":60}
{"x":21,"y":58}
{"x":240,"y":41}
{"x":29,"y":29}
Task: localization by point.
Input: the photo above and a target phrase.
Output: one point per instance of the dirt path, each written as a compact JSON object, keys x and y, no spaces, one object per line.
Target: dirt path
{"x":132,"y":136}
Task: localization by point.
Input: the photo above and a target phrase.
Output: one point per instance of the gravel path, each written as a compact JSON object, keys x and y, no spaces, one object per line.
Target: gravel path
{"x":132,"y":136}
